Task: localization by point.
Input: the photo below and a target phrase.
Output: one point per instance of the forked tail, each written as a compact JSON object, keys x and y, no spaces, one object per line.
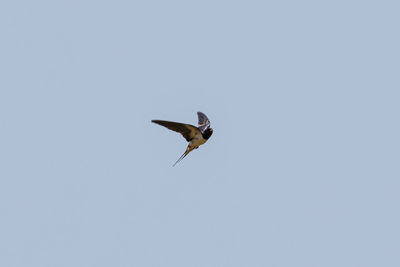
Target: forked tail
{"x":188,"y":149}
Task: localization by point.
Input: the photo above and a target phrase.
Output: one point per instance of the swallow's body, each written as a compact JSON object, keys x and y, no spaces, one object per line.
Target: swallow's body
{"x":196,"y":136}
{"x":197,"y":141}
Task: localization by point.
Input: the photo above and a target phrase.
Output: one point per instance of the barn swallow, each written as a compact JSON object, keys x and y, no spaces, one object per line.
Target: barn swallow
{"x":196,"y":136}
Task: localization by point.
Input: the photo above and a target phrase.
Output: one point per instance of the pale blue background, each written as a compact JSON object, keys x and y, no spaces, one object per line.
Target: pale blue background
{"x":302,"y":169}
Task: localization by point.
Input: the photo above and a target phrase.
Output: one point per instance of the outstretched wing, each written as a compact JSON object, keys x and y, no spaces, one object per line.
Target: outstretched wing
{"x":204,"y":123}
{"x":188,"y":131}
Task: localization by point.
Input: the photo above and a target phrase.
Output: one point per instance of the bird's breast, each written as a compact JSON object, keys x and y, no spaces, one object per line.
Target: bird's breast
{"x":197,"y":141}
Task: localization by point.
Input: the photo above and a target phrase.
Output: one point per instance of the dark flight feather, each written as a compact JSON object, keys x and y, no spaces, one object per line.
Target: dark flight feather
{"x":188,"y":131}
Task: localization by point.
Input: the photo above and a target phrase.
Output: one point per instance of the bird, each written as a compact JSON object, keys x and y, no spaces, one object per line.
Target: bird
{"x":196,"y":136}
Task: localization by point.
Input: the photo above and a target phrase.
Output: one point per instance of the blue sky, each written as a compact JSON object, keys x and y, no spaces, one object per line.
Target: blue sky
{"x":302,"y":168}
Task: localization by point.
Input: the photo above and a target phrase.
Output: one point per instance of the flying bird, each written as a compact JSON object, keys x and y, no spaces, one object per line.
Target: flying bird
{"x":196,"y":136}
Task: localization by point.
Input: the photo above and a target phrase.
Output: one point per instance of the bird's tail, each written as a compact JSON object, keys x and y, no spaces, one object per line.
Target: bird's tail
{"x":188,"y":149}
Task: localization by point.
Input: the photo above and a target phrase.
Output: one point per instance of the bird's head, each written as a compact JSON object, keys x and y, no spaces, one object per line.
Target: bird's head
{"x":207,"y":133}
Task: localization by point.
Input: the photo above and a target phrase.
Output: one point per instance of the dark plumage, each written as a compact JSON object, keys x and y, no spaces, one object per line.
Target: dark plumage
{"x":196,"y":136}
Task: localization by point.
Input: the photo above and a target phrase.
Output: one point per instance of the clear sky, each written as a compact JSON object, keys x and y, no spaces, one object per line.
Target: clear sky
{"x":302,"y":168}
